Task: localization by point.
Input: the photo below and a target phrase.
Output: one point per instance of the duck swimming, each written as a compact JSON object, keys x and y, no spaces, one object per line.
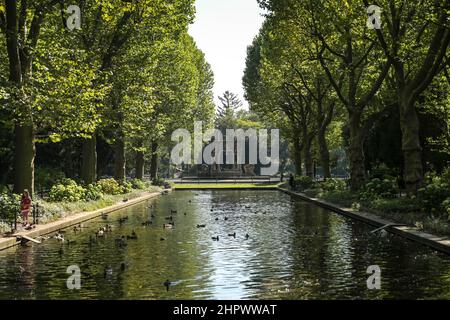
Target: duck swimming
{"x":201,"y":226}
{"x":232,"y":235}
{"x":133,"y":236}
{"x":215,"y":238}
{"x":168,"y":226}
{"x":123,"y":219}
{"x":59,"y":236}
{"x":121,"y":242}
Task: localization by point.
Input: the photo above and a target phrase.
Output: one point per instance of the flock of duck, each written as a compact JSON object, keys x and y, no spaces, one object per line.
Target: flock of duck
{"x":122,"y":241}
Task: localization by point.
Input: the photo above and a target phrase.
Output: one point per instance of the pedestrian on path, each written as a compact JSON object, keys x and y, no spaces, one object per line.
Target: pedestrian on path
{"x":25,"y":207}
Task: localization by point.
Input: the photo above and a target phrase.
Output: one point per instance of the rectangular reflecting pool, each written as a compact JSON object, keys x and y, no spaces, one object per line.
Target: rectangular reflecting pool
{"x":225,"y":245}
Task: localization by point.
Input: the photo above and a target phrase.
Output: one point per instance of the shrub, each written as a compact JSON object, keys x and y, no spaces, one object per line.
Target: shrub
{"x":139,"y":184}
{"x":126,"y":187}
{"x":445,"y":176}
{"x":93,"y":192}
{"x":9,"y":205}
{"x":304,"y":183}
{"x":341,"y":197}
{"x":110,"y":186}
{"x":433,"y":197}
{"x":398,"y":205}
{"x":158,"y":182}
{"x":333,"y":185}
{"x":383,"y":172}
{"x":67,"y":191}
{"x":312,"y":192}
{"x":446,"y":205}
{"x":377,"y":188}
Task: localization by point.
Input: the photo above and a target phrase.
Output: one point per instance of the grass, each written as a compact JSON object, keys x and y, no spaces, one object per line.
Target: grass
{"x":207,"y":186}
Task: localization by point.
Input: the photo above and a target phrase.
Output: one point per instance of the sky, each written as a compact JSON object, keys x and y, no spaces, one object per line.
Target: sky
{"x":222,"y":30}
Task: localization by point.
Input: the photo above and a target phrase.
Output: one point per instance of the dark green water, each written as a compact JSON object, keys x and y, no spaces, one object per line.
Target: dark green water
{"x":295,"y":251}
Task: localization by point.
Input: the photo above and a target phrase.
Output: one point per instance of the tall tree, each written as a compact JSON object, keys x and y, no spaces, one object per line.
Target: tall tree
{"x":414,"y":38}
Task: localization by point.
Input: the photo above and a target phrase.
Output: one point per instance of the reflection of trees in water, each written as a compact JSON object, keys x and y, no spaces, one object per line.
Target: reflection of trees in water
{"x":177,"y":258}
{"x":296,"y":246}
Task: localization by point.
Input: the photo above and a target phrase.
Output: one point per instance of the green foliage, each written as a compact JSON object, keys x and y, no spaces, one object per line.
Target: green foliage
{"x":434,"y":197}
{"x":159,"y":182}
{"x":303,"y":183}
{"x":312,"y":192}
{"x":67,"y":191}
{"x":126,"y":187}
{"x":446,"y":205}
{"x":397,"y":205}
{"x":333,"y":185}
{"x":445,"y":176}
{"x":340,"y":197}
{"x":383,"y":172}
{"x":377,"y":188}
{"x":110,"y":186}
{"x":93,"y":192}
{"x":9,"y":206}
{"x":139,"y":184}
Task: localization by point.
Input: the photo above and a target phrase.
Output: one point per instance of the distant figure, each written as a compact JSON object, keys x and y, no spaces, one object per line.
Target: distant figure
{"x":25,"y":207}
{"x":291,"y":181}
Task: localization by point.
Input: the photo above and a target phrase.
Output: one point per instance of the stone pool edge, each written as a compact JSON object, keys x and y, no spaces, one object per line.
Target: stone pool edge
{"x":441,"y":244}
{"x":71,"y":220}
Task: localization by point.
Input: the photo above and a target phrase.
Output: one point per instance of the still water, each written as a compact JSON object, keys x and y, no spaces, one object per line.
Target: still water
{"x":294,"y":251}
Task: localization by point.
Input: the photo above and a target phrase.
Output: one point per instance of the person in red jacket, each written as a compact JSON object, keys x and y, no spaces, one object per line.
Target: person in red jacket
{"x":25,"y":207}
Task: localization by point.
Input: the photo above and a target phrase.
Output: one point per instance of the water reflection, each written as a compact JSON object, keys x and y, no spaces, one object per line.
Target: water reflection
{"x":294,"y":251}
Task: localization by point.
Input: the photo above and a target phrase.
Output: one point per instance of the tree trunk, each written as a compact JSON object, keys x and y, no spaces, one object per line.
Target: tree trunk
{"x":154,"y":161}
{"x":309,"y":165}
{"x":24,"y":154}
{"x":356,"y":152}
{"x":24,"y":148}
{"x":324,"y":154}
{"x":140,"y":162}
{"x":119,"y":160}
{"x":89,"y":165}
{"x":297,"y":156}
{"x":411,"y":147}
